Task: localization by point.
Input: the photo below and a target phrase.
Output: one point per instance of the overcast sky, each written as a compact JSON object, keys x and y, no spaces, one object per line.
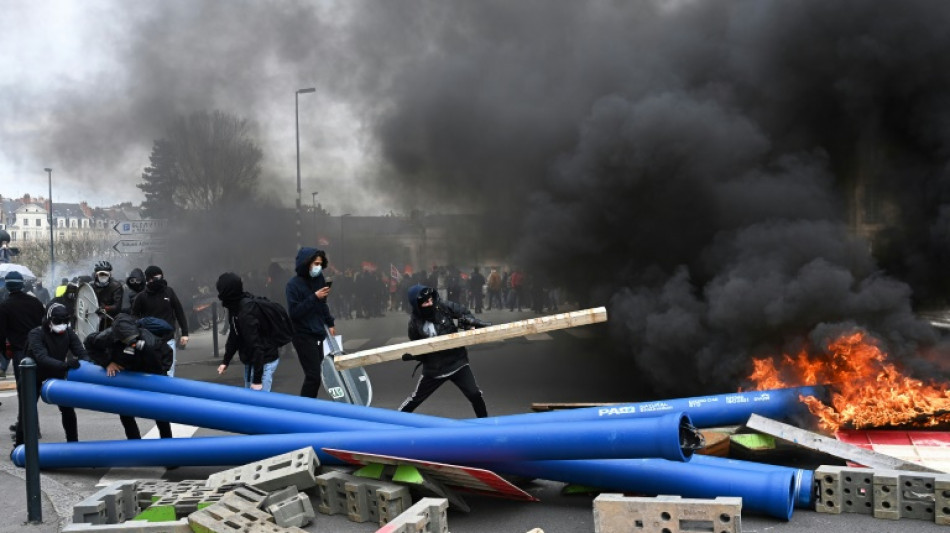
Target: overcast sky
{"x":87,"y":87}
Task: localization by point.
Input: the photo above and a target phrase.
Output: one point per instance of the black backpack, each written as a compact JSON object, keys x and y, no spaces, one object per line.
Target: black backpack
{"x":275,"y":322}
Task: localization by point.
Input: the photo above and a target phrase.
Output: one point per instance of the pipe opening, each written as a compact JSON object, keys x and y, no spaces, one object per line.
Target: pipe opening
{"x":691,"y":439}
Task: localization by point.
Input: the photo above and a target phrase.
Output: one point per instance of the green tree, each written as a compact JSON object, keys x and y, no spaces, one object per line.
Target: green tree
{"x":205,"y":161}
{"x":159,"y":181}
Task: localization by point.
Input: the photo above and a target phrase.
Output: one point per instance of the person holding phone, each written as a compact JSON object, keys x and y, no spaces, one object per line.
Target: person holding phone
{"x":306,"y":294}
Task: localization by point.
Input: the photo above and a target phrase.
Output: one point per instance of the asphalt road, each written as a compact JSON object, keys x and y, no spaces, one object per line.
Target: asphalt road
{"x":563,"y":366}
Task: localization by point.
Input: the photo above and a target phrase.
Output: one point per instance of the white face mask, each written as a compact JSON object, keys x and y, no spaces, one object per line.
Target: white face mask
{"x":315,"y":271}
{"x":58,"y":328}
{"x":103,"y":279}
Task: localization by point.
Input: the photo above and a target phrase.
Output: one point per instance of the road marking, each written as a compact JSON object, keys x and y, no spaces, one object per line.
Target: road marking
{"x":145,"y":472}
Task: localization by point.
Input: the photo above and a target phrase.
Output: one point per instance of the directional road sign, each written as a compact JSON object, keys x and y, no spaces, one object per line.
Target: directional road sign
{"x":139,"y":246}
{"x":140,"y":227}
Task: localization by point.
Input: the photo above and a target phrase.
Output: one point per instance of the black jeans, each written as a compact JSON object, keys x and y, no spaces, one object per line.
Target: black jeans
{"x":310,"y":354}
{"x":464,"y":379}
{"x":132,"y":429}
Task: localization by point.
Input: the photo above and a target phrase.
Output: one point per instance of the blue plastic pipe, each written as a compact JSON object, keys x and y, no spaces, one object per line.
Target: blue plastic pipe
{"x":803,"y":480}
{"x":762,"y":492}
{"x":646,"y":437}
{"x":714,"y":480}
{"x":704,"y":411}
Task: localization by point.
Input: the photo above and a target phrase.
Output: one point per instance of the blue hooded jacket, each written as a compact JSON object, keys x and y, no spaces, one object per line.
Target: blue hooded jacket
{"x":307,"y":312}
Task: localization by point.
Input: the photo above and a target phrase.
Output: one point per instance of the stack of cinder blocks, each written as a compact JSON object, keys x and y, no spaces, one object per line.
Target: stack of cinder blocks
{"x":361,"y":499}
{"x":887,"y":494}
{"x":616,"y":513}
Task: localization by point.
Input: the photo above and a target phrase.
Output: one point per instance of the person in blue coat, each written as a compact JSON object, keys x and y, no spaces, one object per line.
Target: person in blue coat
{"x":306,"y":294}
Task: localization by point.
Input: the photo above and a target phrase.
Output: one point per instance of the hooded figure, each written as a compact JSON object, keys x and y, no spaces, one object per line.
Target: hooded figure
{"x":307,"y":294}
{"x":56,"y":349}
{"x":245,"y":335}
{"x":134,"y":284}
{"x":19,"y":313}
{"x":432,"y":317}
{"x":126,"y":346}
{"x":160,"y":301}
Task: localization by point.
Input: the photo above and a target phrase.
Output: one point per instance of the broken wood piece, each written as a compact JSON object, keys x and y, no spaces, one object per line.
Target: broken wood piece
{"x":499,"y":332}
{"x":830,"y":446}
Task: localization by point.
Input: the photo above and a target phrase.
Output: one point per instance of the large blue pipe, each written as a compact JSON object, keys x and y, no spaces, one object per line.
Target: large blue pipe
{"x":652,"y":437}
{"x":728,"y":481}
{"x":704,"y":411}
{"x":803,"y":480}
{"x":646,"y":437}
{"x":766,"y":492}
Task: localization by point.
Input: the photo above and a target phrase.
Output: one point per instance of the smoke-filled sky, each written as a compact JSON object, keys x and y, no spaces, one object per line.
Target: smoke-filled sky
{"x":689,"y":163}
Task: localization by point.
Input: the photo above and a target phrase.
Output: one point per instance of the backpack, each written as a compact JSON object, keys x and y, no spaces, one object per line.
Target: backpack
{"x":275,"y":322}
{"x":156,"y":326}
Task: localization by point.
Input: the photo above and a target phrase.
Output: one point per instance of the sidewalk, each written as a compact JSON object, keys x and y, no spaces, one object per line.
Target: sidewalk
{"x":56,"y":500}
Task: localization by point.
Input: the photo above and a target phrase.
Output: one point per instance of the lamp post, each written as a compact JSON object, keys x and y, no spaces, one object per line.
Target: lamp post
{"x":313,"y":198}
{"x":297,"y":121}
{"x":52,"y":254}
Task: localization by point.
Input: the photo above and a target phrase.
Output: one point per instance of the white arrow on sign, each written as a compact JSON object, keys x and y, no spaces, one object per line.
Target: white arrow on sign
{"x":138,"y":246}
{"x":138,"y":227}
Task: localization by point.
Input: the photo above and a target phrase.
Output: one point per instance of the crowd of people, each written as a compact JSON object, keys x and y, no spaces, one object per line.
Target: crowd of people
{"x":142,"y":322}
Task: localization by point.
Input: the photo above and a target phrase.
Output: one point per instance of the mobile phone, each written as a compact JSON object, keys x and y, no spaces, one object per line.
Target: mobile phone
{"x":330,"y":283}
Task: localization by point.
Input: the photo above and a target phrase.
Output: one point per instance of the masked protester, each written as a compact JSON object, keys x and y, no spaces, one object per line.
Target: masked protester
{"x":56,"y":349}
{"x":19,"y":314}
{"x":432,"y":317}
{"x":126,"y":346}
{"x":306,"y":295}
{"x":108,"y":293}
{"x":160,"y":301}
{"x":245,"y":335}
{"x":134,"y":285}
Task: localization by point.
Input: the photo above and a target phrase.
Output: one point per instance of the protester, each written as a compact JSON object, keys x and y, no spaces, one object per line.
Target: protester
{"x":245,"y":335}
{"x":108,"y":293}
{"x":432,"y":317}
{"x":19,"y":314}
{"x":134,"y":285}
{"x":126,"y":346}
{"x":306,"y":294}
{"x":160,"y":301}
{"x":56,"y":349}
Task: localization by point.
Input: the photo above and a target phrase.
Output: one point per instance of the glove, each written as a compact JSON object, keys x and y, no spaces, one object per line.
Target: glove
{"x":407,"y":357}
{"x":100,"y":311}
{"x":140,"y":344}
{"x":72,"y":362}
{"x":470,"y":322}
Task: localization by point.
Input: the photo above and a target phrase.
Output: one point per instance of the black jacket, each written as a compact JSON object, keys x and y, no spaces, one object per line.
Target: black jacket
{"x":162,"y":304}
{"x":105,"y":347}
{"x":245,"y":338}
{"x":308,"y":313}
{"x":19,"y":314}
{"x":110,"y":296}
{"x":444,"y":362}
{"x":49,"y":351}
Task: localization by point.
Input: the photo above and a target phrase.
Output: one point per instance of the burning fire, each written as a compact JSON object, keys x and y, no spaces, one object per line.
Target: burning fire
{"x":866,"y":390}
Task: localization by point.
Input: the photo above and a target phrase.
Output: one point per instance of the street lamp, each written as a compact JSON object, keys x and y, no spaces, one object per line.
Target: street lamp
{"x":313,"y":197}
{"x":52,"y":254}
{"x":297,"y":120}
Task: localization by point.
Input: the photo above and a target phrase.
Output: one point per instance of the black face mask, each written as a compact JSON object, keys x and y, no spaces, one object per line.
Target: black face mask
{"x":156,"y":285}
{"x":428,"y":312}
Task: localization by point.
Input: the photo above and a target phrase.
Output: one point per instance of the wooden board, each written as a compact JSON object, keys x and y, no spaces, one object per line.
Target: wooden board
{"x":471,"y":337}
{"x":831,"y":446}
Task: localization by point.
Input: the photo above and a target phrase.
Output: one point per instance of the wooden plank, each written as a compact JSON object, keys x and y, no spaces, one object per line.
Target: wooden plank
{"x":471,"y":337}
{"x":821,"y":443}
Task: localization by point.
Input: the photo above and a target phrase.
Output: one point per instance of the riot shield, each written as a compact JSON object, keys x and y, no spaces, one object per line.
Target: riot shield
{"x":87,"y":321}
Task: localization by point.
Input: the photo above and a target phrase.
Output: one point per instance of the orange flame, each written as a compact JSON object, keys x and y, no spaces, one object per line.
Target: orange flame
{"x":867,"y":391}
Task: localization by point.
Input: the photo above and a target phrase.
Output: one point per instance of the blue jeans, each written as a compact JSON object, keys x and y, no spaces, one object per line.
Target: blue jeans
{"x":266,"y":380}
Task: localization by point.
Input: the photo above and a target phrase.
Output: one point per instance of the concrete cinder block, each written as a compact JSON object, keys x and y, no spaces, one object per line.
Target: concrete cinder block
{"x":297,"y":468}
{"x":131,"y":526}
{"x":362,"y":503}
{"x":221,"y":516}
{"x":293,"y":512}
{"x":942,"y":500}
{"x":113,"y":504}
{"x":886,"y":495}
{"x":616,"y":513}
{"x":278,"y":496}
{"x":917,"y":497}
{"x":428,"y":515}
{"x":844,"y":490}
{"x":392,"y":502}
{"x":332,"y":491}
